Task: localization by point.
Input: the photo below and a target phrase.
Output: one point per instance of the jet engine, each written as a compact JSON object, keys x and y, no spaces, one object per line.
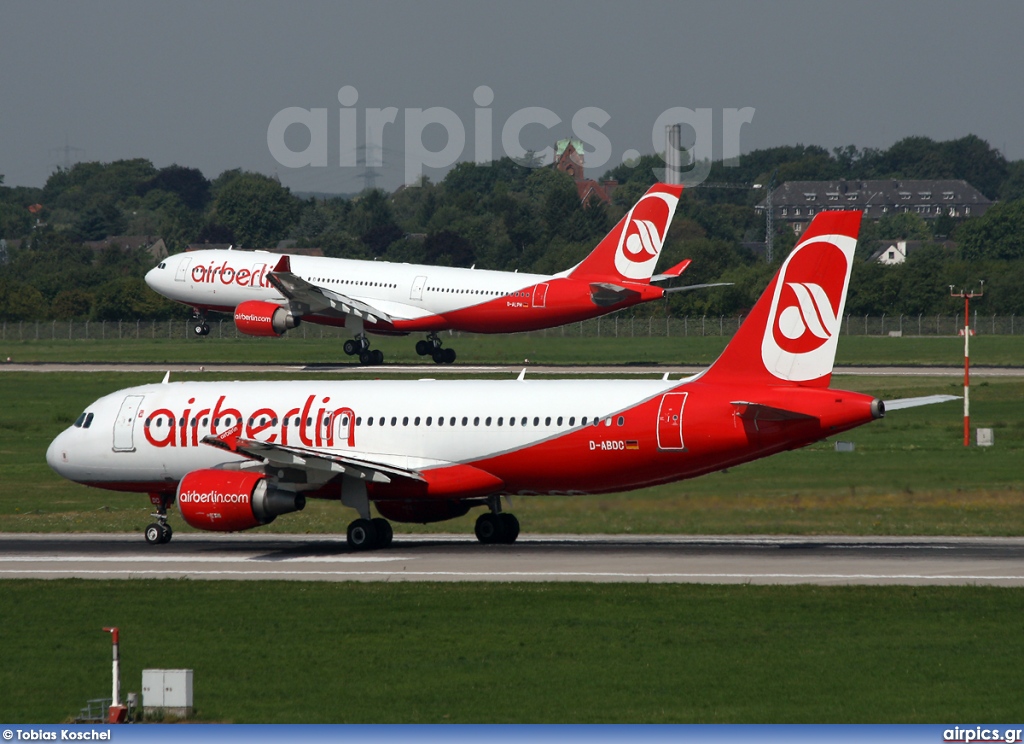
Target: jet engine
{"x":229,"y":501}
{"x":258,"y":318}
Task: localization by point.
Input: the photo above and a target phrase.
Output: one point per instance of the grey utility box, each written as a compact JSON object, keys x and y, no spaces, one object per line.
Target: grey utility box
{"x":986,"y":438}
{"x":168,"y":691}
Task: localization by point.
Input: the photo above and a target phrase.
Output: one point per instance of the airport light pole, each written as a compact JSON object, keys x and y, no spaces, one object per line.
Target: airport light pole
{"x":967,"y":357}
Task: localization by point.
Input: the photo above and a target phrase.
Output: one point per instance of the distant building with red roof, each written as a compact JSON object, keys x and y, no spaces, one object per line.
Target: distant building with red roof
{"x":569,"y":159}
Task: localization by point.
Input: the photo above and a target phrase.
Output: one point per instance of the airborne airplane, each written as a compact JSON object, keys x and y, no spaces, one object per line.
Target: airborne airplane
{"x":235,"y":455}
{"x":269,"y":295}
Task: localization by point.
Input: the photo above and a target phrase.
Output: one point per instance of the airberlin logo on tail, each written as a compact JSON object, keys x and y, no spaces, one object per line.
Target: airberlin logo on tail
{"x":803,"y":323}
{"x":808,"y":323}
{"x":643,"y":234}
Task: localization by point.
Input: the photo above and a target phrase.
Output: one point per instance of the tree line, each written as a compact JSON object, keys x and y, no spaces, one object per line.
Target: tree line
{"x":504,"y":215}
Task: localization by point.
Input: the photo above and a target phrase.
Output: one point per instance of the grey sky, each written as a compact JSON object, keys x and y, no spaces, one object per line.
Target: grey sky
{"x":197,"y":83}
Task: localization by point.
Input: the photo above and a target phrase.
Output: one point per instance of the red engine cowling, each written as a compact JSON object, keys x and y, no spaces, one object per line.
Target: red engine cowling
{"x":421,"y":511}
{"x":258,"y":318}
{"x":232,"y":500}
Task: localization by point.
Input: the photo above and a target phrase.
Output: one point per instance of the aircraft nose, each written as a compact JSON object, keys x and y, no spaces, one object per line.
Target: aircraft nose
{"x":57,"y":454}
{"x":153,"y":278}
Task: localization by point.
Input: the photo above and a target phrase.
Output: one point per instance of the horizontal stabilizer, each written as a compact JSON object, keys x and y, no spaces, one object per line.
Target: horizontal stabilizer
{"x":672,"y":273}
{"x":926,"y":400}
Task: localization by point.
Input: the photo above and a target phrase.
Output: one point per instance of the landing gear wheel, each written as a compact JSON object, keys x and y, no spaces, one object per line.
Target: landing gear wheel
{"x":166,"y":533}
{"x":449,"y":355}
{"x":350,"y":347}
{"x":438,"y":356}
{"x":362,"y":535}
{"x":155,"y":534}
{"x":198,"y":329}
{"x":423,"y":348}
{"x":206,"y":329}
{"x":509,"y":527}
{"x":366,"y":357}
{"x":384,"y":532}
{"x":377,"y":356}
{"x":489,"y":528}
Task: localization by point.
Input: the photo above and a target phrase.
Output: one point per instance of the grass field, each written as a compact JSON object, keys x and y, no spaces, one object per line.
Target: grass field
{"x":457,"y":653}
{"x":910,"y":474}
{"x":549,"y":348}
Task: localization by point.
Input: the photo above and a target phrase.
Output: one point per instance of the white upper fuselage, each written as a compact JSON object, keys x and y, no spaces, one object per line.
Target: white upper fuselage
{"x":152,"y":434}
{"x":222,"y":279}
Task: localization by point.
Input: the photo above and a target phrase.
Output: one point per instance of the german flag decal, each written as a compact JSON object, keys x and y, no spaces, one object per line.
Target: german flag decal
{"x":632,"y":444}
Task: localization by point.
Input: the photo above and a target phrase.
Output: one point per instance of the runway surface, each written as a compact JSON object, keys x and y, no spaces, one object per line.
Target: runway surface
{"x":434,"y":370}
{"x":595,"y":558}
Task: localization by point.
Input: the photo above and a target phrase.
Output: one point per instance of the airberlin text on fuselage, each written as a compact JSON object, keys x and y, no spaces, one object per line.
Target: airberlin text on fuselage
{"x":316,"y":428}
{"x":224,"y":274}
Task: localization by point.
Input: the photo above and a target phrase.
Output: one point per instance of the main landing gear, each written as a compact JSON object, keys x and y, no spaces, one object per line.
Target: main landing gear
{"x":370,"y":534}
{"x":496,"y":526}
{"x":160,"y":532}
{"x":431,"y":347}
{"x":360,"y":346}
{"x":199,"y":325}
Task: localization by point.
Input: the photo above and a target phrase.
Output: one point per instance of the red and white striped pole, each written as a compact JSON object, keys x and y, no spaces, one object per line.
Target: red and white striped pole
{"x":117,"y":712}
{"x":967,"y":356}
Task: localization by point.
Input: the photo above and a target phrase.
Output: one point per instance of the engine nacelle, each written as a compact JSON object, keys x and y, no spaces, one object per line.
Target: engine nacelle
{"x":258,"y":318}
{"x":420,"y":511}
{"x":232,"y":500}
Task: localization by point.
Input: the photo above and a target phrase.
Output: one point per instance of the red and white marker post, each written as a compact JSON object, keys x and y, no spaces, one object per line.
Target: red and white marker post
{"x":967,"y":356}
{"x":117,"y":713}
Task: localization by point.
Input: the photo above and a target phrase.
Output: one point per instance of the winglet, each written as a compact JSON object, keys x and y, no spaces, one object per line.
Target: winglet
{"x":167,"y":378}
{"x":226,"y":440}
{"x":284,"y":265}
{"x":522,"y":375}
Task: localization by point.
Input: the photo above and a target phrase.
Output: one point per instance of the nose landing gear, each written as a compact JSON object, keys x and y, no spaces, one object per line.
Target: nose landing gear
{"x":199,"y":325}
{"x":160,"y":532}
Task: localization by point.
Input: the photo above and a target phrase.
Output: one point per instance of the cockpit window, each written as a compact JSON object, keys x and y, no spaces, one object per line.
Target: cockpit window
{"x":80,"y":420}
{"x":84,"y":421}
{"x":88,"y":422}
{"x":163,"y":265}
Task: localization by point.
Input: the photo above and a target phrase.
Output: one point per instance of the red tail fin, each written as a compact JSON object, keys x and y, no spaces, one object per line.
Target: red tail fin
{"x":791,"y":334}
{"x":630,"y":251}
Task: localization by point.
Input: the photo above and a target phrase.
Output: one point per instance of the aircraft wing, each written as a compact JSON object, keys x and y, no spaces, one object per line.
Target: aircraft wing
{"x":323,"y":464}
{"x":926,"y":400}
{"x":313,"y":299}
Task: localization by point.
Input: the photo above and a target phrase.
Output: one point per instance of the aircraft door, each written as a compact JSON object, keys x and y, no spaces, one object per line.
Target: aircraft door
{"x":124,"y":424}
{"x":417,"y":288}
{"x":540,"y":295}
{"x":256,"y":279}
{"x":670,"y":421}
{"x":183,"y":264}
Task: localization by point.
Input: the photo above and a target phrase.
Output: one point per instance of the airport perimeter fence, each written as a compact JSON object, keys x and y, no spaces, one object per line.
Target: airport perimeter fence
{"x":612,"y":326}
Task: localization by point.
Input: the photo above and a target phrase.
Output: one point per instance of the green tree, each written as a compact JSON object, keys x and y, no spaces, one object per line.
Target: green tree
{"x":257,"y":209}
{"x":998,"y":234}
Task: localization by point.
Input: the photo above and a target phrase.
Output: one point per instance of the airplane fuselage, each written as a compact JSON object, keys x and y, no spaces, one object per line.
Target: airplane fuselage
{"x":528,"y":436}
{"x":416,"y":297}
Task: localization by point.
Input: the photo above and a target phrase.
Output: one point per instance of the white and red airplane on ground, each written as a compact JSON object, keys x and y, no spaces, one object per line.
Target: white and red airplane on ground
{"x":269,"y":294}
{"x":237,"y":454}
